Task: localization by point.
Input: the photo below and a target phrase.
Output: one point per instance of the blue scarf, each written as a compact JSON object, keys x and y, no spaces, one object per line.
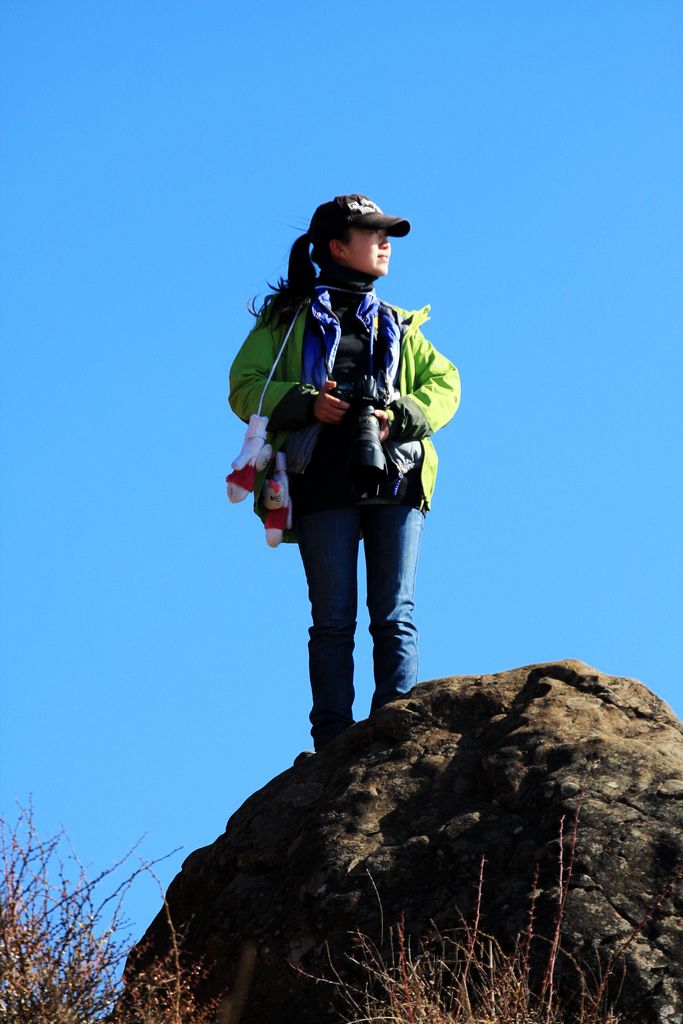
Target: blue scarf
{"x":322,"y":335}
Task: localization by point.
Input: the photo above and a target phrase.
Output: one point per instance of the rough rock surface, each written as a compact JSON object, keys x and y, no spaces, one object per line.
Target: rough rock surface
{"x":404,"y":805}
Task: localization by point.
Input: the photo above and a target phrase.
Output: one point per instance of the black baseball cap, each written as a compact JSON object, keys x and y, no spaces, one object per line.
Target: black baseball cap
{"x":331,"y":219}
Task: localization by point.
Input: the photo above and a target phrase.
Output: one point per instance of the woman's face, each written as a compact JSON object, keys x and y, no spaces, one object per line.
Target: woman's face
{"x":367,"y":250}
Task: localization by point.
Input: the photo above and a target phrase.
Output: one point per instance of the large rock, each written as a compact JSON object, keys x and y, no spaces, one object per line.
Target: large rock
{"x":404,"y":805}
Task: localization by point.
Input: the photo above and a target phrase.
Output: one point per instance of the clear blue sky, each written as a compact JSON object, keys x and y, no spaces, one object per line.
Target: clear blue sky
{"x":158,"y":160}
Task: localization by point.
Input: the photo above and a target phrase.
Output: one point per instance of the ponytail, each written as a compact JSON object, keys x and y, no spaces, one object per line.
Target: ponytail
{"x":288,"y":293}
{"x":301,"y":272}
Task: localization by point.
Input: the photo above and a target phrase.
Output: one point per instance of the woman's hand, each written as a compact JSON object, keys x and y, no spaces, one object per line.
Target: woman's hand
{"x":384,"y":424}
{"x":327,"y":407}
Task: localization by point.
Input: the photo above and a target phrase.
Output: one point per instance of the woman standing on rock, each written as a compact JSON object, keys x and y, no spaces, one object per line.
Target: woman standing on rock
{"x":346,"y":390}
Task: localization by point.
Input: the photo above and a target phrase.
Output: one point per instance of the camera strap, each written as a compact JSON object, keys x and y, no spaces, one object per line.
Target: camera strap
{"x":277,"y":357}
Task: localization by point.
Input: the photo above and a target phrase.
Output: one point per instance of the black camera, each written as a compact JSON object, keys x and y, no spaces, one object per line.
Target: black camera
{"x":367,"y":461}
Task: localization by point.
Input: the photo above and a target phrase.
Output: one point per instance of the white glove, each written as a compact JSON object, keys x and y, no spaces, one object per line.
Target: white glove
{"x":255,"y":455}
{"x":277,"y":502}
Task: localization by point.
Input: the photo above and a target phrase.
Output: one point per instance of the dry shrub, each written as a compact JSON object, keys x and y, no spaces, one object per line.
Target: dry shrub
{"x":62,"y":944}
{"x":164,"y":991}
{"x":466,"y":977}
{"x":457,"y":978}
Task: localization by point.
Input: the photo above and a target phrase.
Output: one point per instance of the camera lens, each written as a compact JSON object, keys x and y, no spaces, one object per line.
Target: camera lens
{"x":368,"y":461}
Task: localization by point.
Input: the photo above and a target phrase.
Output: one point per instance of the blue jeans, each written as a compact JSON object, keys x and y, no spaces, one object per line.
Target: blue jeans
{"x":329,"y":543}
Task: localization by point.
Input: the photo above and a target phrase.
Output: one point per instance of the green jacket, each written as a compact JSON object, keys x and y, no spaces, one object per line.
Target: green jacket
{"x":429,"y":385}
